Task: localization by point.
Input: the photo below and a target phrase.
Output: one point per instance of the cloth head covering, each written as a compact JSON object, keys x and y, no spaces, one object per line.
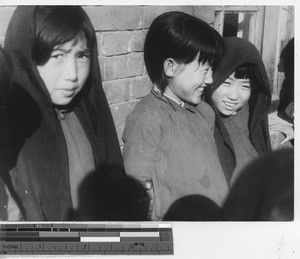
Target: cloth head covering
{"x":239,"y":51}
{"x":41,"y":154}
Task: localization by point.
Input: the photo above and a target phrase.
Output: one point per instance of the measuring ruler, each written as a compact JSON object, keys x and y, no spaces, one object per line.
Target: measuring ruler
{"x":91,"y":238}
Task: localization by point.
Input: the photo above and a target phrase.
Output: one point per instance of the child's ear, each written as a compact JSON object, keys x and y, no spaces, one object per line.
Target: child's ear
{"x":170,"y":67}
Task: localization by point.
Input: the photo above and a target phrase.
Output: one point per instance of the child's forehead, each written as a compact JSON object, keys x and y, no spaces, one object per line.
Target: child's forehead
{"x":233,"y":77}
{"x":79,"y":42}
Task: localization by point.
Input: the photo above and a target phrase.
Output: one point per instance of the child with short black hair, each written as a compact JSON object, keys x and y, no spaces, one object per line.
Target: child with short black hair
{"x":169,"y":144}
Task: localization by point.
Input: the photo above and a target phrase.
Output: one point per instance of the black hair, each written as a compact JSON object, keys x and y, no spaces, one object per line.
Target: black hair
{"x":247,"y":70}
{"x":244,"y":71}
{"x":288,"y":61}
{"x":179,"y":36}
{"x":57,"y":25}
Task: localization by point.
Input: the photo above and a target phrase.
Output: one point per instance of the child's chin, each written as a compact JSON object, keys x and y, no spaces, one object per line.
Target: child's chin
{"x":196,"y":100}
{"x":229,"y":113}
{"x":62,"y":102}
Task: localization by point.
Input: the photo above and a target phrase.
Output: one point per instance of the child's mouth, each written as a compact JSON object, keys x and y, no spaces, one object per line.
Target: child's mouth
{"x":229,"y":104}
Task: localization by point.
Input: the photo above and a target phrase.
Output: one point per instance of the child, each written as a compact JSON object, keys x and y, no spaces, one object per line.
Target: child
{"x":168,"y":137}
{"x":9,"y":209}
{"x":282,"y":122}
{"x":286,"y":100}
{"x":69,"y":163}
{"x":240,"y":95}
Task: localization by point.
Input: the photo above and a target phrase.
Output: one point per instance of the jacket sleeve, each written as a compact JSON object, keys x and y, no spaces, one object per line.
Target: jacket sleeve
{"x":207,"y":113}
{"x":142,"y":137}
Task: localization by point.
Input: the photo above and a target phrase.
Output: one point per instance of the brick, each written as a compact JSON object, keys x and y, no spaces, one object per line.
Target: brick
{"x":6,"y":13}
{"x":114,"y":43}
{"x":151,"y":12}
{"x":121,"y":42}
{"x":120,"y":111}
{"x":139,"y":39}
{"x":121,"y":66}
{"x":122,"y":90}
{"x":114,"y":18}
{"x":117,"y":90}
{"x":140,"y":87}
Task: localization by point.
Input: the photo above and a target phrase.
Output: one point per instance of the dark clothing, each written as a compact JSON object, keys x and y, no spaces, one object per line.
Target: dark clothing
{"x":237,"y":128}
{"x":41,"y":170}
{"x":173,"y":147}
{"x":286,"y":99}
{"x":5,"y":133}
{"x":237,"y":52}
{"x":80,"y":153}
{"x":4,"y":149}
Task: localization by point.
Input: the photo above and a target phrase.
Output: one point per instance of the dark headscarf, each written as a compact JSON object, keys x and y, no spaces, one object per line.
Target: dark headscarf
{"x":5,"y":131}
{"x":239,"y":51}
{"x":41,"y":153}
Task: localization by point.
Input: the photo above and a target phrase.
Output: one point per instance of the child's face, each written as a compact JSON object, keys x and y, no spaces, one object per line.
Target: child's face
{"x":188,"y":84}
{"x":231,"y":95}
{"x":66,"y":72}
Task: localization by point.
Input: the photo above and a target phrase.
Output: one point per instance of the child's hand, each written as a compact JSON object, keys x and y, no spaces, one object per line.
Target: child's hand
{"x":278,"y":124}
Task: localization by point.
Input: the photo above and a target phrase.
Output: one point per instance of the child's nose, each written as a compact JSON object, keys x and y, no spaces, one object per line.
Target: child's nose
{"x":208,"y":77}
{"x":70,"y":70}
{"x":232,"y":93}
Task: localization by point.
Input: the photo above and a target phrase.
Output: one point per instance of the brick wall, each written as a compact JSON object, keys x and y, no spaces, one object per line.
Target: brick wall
{"x":120,"y":32}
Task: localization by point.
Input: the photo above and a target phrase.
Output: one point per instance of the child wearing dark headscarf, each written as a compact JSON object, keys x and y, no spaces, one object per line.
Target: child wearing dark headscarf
{"x":9,"y":209}
{"x":240,"y":95}
{"x":68,"y":164}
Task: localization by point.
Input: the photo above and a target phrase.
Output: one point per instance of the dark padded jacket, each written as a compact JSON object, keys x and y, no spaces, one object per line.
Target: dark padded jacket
{"x":237,"y":52}
{"x":40,"y":172}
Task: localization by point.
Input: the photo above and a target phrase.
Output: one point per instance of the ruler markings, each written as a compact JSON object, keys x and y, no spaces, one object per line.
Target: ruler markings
{"x":58,"y":234}
{"x":139,"y":234}
{"x":100,"y":239}
{"x":144,"y":239}
{"x":111,"y":238}
{"x":99,"y":234}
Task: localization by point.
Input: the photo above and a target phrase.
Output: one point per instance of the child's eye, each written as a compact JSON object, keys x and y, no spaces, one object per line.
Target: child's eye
{"x":246,"y":86}
{"x":57,"y":56}
{"x":84,"y":57}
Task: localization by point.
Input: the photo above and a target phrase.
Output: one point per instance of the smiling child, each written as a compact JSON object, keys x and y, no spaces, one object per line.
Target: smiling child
{"x":240,"y":95}
{"x":169,"y":143}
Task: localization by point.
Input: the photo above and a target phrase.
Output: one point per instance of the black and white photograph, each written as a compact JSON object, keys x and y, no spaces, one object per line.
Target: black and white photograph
{"x":151,"y":113}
